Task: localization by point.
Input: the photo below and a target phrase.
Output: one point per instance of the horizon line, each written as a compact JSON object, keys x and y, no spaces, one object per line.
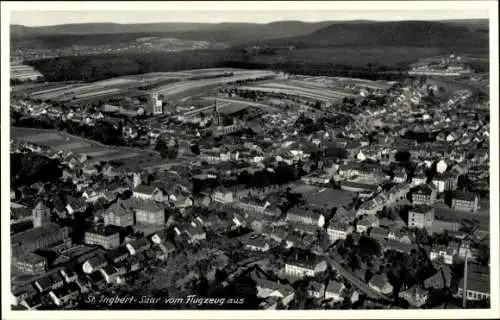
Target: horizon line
{"x":236,"y":22}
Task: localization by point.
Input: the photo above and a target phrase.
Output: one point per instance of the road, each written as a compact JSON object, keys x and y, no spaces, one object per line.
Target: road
{"x":361,"y":285}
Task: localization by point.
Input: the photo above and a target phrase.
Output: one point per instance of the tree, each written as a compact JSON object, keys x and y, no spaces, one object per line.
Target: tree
{"x":162,"y":148}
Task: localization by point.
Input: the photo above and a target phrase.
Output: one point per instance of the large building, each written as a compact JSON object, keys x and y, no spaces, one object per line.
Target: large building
{"x":338,"y":230}
{"x":107,"y":237}
{"x":307,"y":266}
{"x":421,"y":216}
{"x":31,"y":263}
{"x":464,"y":201}
{"x":424,"y":194}
{"x":47,"y":235}
{"x":149,"y":212}
{"x":305,"y":216}
{"x":119,"y":214}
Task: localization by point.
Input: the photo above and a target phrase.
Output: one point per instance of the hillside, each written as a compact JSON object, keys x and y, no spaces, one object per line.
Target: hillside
{"x":396,"y":34}
{"x":98,"y":33}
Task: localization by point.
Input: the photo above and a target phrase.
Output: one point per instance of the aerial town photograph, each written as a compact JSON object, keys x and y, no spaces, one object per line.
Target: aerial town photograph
{"x":249,"y":160}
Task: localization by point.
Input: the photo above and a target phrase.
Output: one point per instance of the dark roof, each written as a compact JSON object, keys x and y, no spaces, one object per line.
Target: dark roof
{"x":359,"y":185}
{"x":36,"y":233}
{"x":421,"y":209}
{"x":103,"y":230}
{"x":478,"y":278}
{"x":76,"y":203}
{"x":118,"y":252}
{"x":141,"y":243}
{"x":334,"y":286}
{"x":145,"y":189}
{"x":424,"y":189}
{"x":284,"y":289}
{"x":31,"y":258}
{"x":464,"y":195}
{"x":379,"y":280}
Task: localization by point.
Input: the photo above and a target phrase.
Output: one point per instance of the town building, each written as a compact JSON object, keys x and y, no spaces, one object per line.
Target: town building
{"x":334,"y":291}
{"x":305,"y":266}
{"x":105,"y":236}
{"x":119,"y":214}
{"x":41,"y":215}
{"x":478,"y":283}
{"x":31,"y":263}
{"x":424,"y":194}
{"x":338,"y":230}
{"x":36,"y":238}
{"x":421,"y":216}
{"x":464,"y":201}
{"x":305,"y":216}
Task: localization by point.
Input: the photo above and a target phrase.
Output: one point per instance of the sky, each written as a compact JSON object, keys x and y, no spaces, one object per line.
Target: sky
{"x":43,"y":18}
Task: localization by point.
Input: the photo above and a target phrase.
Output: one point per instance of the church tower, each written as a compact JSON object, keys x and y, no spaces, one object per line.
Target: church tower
{"x":217,"y":117}
{"x":41,"y":215}
{"x":157,"y":103}
{"x":137,"y":180}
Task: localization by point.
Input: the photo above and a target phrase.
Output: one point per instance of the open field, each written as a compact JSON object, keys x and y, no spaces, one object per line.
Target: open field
{"x":302,"y":88}
{"x":178,"y":83}
{"x":24,"y":72}
{"x":57,"y":140}
{"x":186,"y":86}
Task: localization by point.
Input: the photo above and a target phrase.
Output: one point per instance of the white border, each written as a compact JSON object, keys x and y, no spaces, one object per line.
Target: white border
{"x":491,"y":6}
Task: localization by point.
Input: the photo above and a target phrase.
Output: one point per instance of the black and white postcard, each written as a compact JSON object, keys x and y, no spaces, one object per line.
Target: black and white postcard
{"x":225,"y":160}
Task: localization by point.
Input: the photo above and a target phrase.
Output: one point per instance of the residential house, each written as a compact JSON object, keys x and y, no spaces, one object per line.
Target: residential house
{"x":94,"y":263}
{"x":49,"y":282}
{"x":138,"y":246}
{"x":65,"y":294}
{"x":338,"y":230}
{"x":256,"y":244}
{"x":334,"y":291}
{"x":302,"y":215}
{"x":75,"y":205}
{"x":366,"y":222}
{"x":146,"y":192}
{"x":439,"y":280}
{"x":416,"y":296}
{"x":268,"y":288}
{"x":316,"y":290}
{"x":309,"y":266}
{"x":380,"y":283}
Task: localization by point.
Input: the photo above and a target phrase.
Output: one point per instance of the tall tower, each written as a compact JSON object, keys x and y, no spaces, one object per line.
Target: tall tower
{"x":137,"y":179}
{"x":217,"y":118}
{"x":41,"y":215}
{"x":157,"y":103}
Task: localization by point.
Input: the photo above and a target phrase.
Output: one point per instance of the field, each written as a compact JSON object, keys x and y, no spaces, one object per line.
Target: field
{"x":23,"y":72}
{"x":178,"y":84}
{"x":190,"y":85}
{"x":302,"y":88}
{"x":62,"y":141}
